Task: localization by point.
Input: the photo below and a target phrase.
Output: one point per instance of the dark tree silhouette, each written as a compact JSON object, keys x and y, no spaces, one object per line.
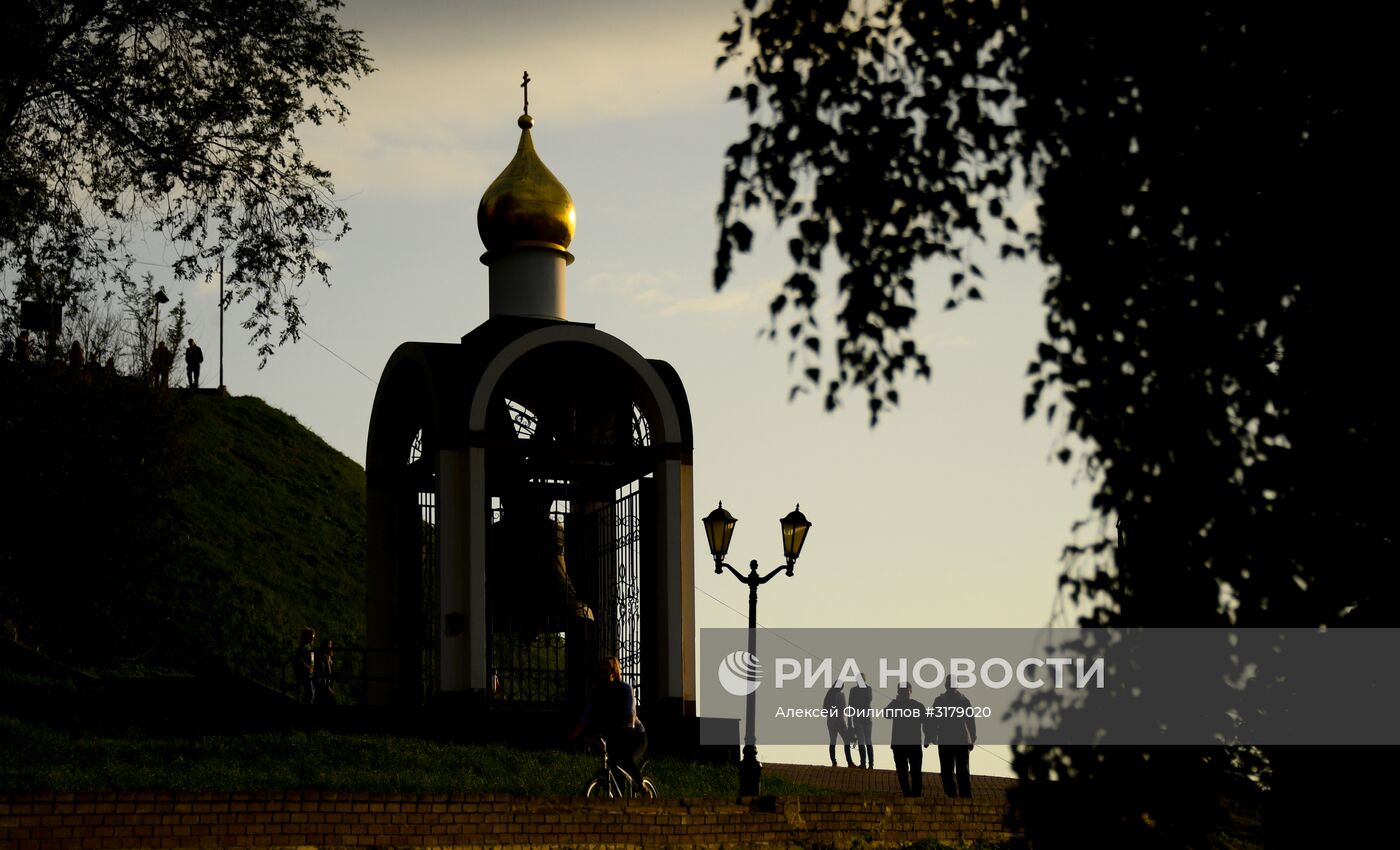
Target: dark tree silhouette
{"x":1218,"y":336}
{"x":126,"y":116}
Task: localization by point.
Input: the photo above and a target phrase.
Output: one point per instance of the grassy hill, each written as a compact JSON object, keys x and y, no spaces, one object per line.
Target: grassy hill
{"x":276,"y":519}
{"x":171,"y":531}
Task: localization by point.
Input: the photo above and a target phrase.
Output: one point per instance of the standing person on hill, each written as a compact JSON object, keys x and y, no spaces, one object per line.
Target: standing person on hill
{"x":194,"y":355}
{"x":304,"y":666}
{"x":323,"y":678}
{"x":76,"y":361}
{"x":161,"y":361}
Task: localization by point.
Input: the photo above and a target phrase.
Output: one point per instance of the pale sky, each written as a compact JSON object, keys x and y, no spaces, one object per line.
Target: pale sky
{"x":950,"y":513}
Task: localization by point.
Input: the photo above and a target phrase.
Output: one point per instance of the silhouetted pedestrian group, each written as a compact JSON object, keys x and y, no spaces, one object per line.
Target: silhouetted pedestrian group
{"x":314,"y":668}
{"x":949,"y":723}
{"x":857,"y":730}
{"x":85,"y":367}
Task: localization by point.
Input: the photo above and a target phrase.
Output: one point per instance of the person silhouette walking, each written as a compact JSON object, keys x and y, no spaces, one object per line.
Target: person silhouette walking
{"x":861,"y":724}
{"x":834,"y":707}
{"x":955,"y":732}
{"x":906,"y":740}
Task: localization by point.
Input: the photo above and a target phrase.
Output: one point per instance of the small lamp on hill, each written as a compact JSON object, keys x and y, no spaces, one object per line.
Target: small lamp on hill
{"x":160,"y":298}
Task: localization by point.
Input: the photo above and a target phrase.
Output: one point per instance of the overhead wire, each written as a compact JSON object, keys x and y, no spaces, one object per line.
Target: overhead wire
{"x":337,"y":356}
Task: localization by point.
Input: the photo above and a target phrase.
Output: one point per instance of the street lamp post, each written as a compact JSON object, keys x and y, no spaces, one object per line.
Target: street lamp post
{"x":719,"y":528}
{"x":160,"y":298}
{"x":221,"y":323}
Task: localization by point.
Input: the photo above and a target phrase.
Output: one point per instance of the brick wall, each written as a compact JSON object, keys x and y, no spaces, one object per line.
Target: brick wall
{"x":118,"y":821}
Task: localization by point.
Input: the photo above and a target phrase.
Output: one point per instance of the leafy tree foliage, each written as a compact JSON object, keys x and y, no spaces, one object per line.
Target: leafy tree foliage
{"x":121,"y":117}
{"x":879,"y":135}
{"x":1218,"y":340}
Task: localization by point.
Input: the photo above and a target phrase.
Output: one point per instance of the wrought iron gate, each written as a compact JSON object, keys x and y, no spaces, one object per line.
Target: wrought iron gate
{"x":547,"y":634}
{"x":431,"y":613}
{"x":613,"y":536}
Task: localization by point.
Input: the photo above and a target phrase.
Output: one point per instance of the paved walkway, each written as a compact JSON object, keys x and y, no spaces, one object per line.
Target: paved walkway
{"x":879,"y":782}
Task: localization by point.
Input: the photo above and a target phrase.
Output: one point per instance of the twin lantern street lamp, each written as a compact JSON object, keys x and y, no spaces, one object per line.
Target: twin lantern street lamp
{"x":719,"y":528}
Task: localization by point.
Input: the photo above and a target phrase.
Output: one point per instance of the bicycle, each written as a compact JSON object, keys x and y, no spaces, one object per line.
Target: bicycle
{"x":613,"y":782}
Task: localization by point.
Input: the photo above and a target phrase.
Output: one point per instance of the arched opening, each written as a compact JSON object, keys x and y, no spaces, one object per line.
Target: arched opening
{"x":569,"y":464}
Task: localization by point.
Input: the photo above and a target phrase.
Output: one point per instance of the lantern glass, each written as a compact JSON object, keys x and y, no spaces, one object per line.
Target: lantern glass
{"x":719,"y":528}
{"x":795,"y":527}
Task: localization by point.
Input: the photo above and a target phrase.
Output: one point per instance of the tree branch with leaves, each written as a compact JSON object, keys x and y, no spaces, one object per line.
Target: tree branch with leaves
{"x":883,"y":144}
{"x":1218,"y":322}
{"x":124,"y":118}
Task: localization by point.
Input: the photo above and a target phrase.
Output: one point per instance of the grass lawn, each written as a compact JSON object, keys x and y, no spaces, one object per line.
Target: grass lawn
{"x":35,"y":757}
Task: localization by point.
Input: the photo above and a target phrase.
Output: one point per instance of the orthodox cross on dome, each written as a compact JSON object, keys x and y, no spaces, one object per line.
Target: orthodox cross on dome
{"x":525,"y":84}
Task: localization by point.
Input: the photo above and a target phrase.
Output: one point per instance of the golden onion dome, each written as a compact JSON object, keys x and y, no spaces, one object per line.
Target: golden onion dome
{"x":526,"y":206}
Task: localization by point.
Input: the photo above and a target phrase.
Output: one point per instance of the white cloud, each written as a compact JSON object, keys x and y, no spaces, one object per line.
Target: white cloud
{"x":363,"y":163}
{"x":633,"y":284}
{"x":667,"y":293}
{"x":727,"y":301}
{"x":437,"y":117}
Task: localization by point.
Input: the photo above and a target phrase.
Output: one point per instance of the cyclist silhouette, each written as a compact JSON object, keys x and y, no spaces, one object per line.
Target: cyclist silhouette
{"x":612,"y":715}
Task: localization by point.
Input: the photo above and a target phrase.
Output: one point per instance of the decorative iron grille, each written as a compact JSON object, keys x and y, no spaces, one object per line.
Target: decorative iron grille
{"x":615,"y":543}
{"x":547,"y":636}
{"x":641,"y":428}
{"x":427,"y":523}
{"x":522,"y":419}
